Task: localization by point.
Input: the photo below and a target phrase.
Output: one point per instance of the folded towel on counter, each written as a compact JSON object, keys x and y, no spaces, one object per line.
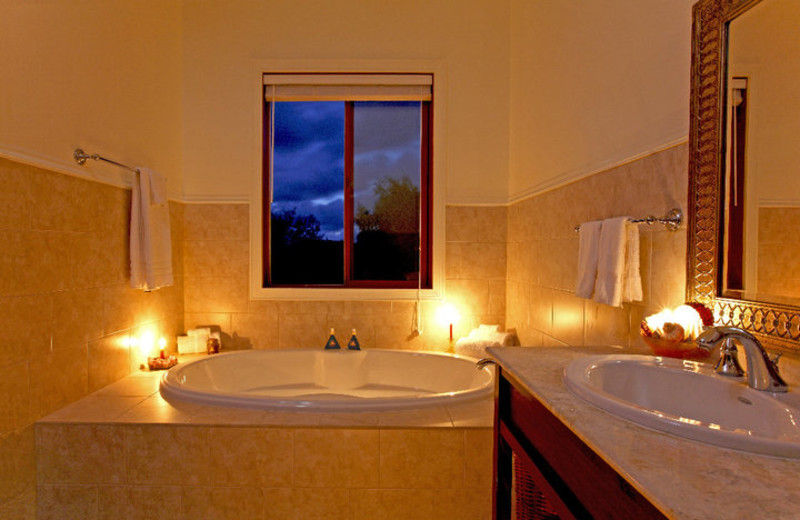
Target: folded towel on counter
{"x":618,"y":277}
{"x":587,"y":258}
{"x":475,"y":343}
{"x":150,"y":241}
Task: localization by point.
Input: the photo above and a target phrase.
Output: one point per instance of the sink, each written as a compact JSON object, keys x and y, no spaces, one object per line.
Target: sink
{"x":688,"y":399}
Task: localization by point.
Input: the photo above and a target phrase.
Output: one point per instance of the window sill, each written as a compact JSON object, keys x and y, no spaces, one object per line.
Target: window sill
{"x":341,"y":294}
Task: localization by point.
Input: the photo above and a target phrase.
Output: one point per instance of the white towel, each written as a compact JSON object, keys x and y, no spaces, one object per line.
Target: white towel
{"x":150,"y":242}
{"x":587,"y":258}
{"x":618,"y":277}
{"x":632,"y":286}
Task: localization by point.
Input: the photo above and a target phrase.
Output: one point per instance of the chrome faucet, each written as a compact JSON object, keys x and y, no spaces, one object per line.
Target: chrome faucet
{"x":762,"y":372}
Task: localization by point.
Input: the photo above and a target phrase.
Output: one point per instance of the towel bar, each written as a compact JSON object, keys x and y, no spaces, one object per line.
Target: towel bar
{"x":672,"y":220}
{"x":81,"y":157}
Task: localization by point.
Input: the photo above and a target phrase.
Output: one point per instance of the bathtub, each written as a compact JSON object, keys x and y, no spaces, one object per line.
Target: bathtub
{"x":328,"y":380}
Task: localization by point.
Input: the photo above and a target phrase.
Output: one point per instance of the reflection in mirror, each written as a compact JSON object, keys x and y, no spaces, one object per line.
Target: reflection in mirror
{"x":743,"y":251}
{"x":760,"y":247}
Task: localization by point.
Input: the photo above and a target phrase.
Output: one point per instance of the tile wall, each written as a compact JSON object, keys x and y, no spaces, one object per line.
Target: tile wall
{"x":778,"y":249}
{"x":152,"y":472}
{"x":65,"y":307}
{"x":216,"y":252}
{"x":543,"y":252}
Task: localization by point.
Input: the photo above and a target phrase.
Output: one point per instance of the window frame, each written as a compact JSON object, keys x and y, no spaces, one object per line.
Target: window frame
{"x":425,"y":253}
{"x":436,"y":204}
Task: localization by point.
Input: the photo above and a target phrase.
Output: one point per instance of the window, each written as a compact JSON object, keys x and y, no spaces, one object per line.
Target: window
{"x":347,"y":181}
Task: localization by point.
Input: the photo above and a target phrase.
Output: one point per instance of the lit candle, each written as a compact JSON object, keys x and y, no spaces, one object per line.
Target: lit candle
{"x":161,"y":344}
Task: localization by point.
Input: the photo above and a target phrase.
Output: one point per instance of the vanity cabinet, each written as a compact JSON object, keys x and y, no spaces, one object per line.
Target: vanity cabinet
{"x":554,"y":475}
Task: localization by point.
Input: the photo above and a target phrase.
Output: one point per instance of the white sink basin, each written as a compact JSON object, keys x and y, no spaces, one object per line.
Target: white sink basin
{"x":688,"y":399}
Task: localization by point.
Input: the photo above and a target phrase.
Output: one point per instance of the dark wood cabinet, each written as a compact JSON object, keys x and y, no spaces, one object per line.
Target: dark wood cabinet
{"x":544,"y":471}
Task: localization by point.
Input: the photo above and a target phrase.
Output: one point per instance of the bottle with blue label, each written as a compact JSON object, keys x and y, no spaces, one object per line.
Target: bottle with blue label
{"x":353,"y":343}
{"x":332,"y":343}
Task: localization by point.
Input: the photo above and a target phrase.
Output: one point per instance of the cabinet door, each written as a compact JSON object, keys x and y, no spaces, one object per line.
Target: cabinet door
{"x":576,"y":482}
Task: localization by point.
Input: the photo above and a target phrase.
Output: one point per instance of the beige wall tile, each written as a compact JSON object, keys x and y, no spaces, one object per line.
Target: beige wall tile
{"x":144,"y":448}
{"x":321,"y":504}
{"x":212,"y":294}
{"x":216,"y":222}
{"x":26,"y":319}
{"x":250,"y":456}
{"x":606,"y":325}
{"x":80,"y":454}
{"x":33,"y":262}
{"x":215,"y":503}
{"x":108,"y":360}
{"x":255,"y":329}
{"x":57,"y":502}
{"x":391,"y":504}
{"x":220,"y":257}
{"x":303,"y":331}
{"x":421,"y":459}
{"x":15,"y":405}
{"x":492,"y":223}
{"x":64,"y":249}
{"x":99,"y":260}
{"x":21,"y":507}
{"x":57,"y":378}
{"x":14,"y":200}
{"x":279,"y":503}
{"x":462,"y":504}
{"x":483,"y":260}
{"x":461,"y":224}
{"x":568,"y":318}
{"x":17,"y":463}
{"x":64,"y":203}
{"x":478,"y":456}
{"x":543,"y":250}
{"x":77,"y":317}
{"x":137,"y":502}
{"x":327,"y":458}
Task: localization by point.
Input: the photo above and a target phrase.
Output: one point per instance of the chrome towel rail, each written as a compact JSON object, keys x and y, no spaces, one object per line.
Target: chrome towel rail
{"x":81,"y":157}
{"x":672,"y":220}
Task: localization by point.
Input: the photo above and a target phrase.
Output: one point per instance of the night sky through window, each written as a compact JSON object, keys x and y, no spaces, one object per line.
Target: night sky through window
{"x":308,"y":156}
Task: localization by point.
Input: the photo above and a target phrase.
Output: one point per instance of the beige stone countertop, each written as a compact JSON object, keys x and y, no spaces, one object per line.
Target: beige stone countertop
{"x":136,"y":399}
{"x":685,"y":479}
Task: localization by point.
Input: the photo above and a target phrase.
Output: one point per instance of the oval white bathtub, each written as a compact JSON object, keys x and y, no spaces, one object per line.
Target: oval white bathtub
{"x":327,"y":380}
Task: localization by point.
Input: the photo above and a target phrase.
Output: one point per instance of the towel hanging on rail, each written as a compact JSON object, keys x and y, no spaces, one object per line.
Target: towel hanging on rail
{"x":150,"y":240}
{"x":608,"y":262}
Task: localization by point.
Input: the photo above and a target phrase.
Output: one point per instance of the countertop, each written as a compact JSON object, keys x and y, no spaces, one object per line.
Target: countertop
{"x":685,"y":479}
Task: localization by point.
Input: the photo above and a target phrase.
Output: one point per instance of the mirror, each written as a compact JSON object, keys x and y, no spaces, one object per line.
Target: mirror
{"x":744,"y":197}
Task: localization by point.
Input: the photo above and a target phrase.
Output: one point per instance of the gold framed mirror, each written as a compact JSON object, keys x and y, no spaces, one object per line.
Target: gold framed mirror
{"x":775,"y":320}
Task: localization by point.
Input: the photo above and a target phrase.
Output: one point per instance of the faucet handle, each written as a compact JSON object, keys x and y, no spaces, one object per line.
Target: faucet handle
{"x":728,"y":363}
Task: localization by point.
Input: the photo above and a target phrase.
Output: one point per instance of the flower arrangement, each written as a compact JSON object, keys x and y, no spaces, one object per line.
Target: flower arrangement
{"x":672,"y":332}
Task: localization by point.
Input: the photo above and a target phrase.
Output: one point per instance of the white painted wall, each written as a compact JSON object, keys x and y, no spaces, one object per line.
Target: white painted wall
{"x":225,"y":41}
{"x":538,"y":92}
{"x":594,"y":84}
{"x":104,"y":75}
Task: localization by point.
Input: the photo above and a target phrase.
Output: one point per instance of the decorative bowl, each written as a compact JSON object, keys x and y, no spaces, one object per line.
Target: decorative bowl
{"x":675,"y":348}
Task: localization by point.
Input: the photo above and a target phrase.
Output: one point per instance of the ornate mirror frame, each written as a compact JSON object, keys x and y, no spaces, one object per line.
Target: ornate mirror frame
{"x":777,"y":325}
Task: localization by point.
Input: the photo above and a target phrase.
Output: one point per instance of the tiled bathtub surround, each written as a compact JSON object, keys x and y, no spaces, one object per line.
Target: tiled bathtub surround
{"x":141,"y":457}
{"x":65,"y":307}
{"x":216,"y":248}
{"x":543,"y":252}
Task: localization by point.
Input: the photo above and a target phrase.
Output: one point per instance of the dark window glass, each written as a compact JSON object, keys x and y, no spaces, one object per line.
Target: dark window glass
{"x":349,"y":194}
